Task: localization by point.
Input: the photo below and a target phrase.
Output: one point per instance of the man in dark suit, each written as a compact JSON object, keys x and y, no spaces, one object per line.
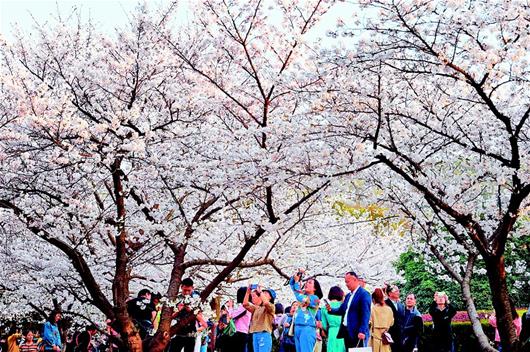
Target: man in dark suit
{"x":398,"y":309}
{"x":355,"y":312}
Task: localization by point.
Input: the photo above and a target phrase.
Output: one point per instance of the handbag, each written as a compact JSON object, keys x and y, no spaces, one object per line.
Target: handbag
{"x":360,"y":349}
{"x":230,"y":329}
{"x":291,"y":329}
{"x":386,"y":338}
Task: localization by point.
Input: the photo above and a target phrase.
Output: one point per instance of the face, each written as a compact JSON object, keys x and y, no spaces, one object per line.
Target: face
{"x":440,"y":299}
{"x":294,"y":307}
{"x":394,"y":295}
{"x":266,"y":296}
{"x":309,"y":287}
{"x":58,"y":317}
{"x":186,"y":290}
{"x":29,"y":336}
{"x":410,"y":301}
{"x":351,"y":282}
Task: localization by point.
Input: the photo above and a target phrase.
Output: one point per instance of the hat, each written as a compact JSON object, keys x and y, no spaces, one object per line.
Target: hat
{"x":271,"y":292}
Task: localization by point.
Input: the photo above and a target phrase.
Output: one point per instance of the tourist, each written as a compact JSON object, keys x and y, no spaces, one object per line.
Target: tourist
{"x":398,"y":311}
{"x":12,"y":339}
{"x":262,"y":309}
{"x":142,"y":312}
{"x":517,"y":322}
{"x":241,"y":318}
{"x":412,"y":325}
{"x":28,"y":345}
{"x":305,"y":318}
{"x":331,"y":323}
{"x":381,"y":319}
{"x":186,"y":336}
{"x":355,"y":312}
{"x":84,"y":339}
{"x":50,"y":334}
{"x":287,"y":343}
{"x":442,"y":312}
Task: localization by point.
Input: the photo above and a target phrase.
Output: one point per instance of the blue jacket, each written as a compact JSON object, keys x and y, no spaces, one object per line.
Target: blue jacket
{"x":51,"y":336}
{"x":358,"y":315}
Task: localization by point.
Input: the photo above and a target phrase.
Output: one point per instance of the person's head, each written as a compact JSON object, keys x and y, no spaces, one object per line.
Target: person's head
{"x":278,"y":308}
{"x":144,"y":293}
{"x":312,"y":287}
{"x":378,"y":296}
{"x":351,"y":280}
{"x":294,"y":307}
{"x":240,"y":295}
{"x":223,"y":321}
{"x":410,"y":301}
{"x":392,"y":291}
{"x":441,"y":298}
{"x":266,"y":296}
{"x":55,"y":316}
{"x":12,"y":330}
{"x":335,"y":294}
{"x":28,"y":335}
{"x":186,"y":287}
{"x":155,"y":298}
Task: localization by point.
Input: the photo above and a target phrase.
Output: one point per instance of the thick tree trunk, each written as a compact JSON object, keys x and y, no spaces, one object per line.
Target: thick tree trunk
{"x":501,"y":302}
{"x":163,"y":334}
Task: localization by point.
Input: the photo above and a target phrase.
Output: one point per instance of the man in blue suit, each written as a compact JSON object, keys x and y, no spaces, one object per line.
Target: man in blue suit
{"x":355,"y":312}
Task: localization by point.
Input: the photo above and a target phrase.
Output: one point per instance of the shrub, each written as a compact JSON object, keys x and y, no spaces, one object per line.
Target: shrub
{"x":464,"y":339}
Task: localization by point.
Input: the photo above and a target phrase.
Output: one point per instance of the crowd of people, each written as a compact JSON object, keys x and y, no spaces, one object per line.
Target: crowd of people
{"x":254,"y":322}
{"x":312,"y":322}
{"x":48,"y":338}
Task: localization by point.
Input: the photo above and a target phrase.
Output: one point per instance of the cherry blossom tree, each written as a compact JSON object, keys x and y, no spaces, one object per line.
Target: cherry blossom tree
{"x":147,"y":155}
{"x":439,"y":90}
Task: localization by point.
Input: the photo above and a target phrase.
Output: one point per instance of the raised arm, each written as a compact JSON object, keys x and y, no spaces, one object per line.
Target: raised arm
{"x":294,"y":282}
{"x":248,"y":306}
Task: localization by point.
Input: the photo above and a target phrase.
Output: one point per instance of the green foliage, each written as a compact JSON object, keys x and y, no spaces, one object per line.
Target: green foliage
{"x":418,"y":280}
{"x":517,"y":258}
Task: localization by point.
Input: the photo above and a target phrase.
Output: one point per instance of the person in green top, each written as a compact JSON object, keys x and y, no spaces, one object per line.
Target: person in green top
{"x":331,"y":323}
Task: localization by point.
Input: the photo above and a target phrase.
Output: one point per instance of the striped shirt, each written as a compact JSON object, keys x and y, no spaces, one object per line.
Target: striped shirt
{"x":28,"y":348}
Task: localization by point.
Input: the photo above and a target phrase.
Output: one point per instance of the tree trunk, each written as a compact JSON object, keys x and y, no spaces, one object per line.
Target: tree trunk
{"x":120,"y":284}
{"x":128,"y":332}
{"x":483,"y":340}
{"x":501,"y":302}
{"x":163,"y":334}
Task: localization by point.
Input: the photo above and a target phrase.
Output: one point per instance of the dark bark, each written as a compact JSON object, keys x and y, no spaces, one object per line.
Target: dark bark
{"x":120,"y":284}
{"x":501,"y":302}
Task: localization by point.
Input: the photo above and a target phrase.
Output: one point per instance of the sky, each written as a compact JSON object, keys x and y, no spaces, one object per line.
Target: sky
{"x":108,"y":14}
